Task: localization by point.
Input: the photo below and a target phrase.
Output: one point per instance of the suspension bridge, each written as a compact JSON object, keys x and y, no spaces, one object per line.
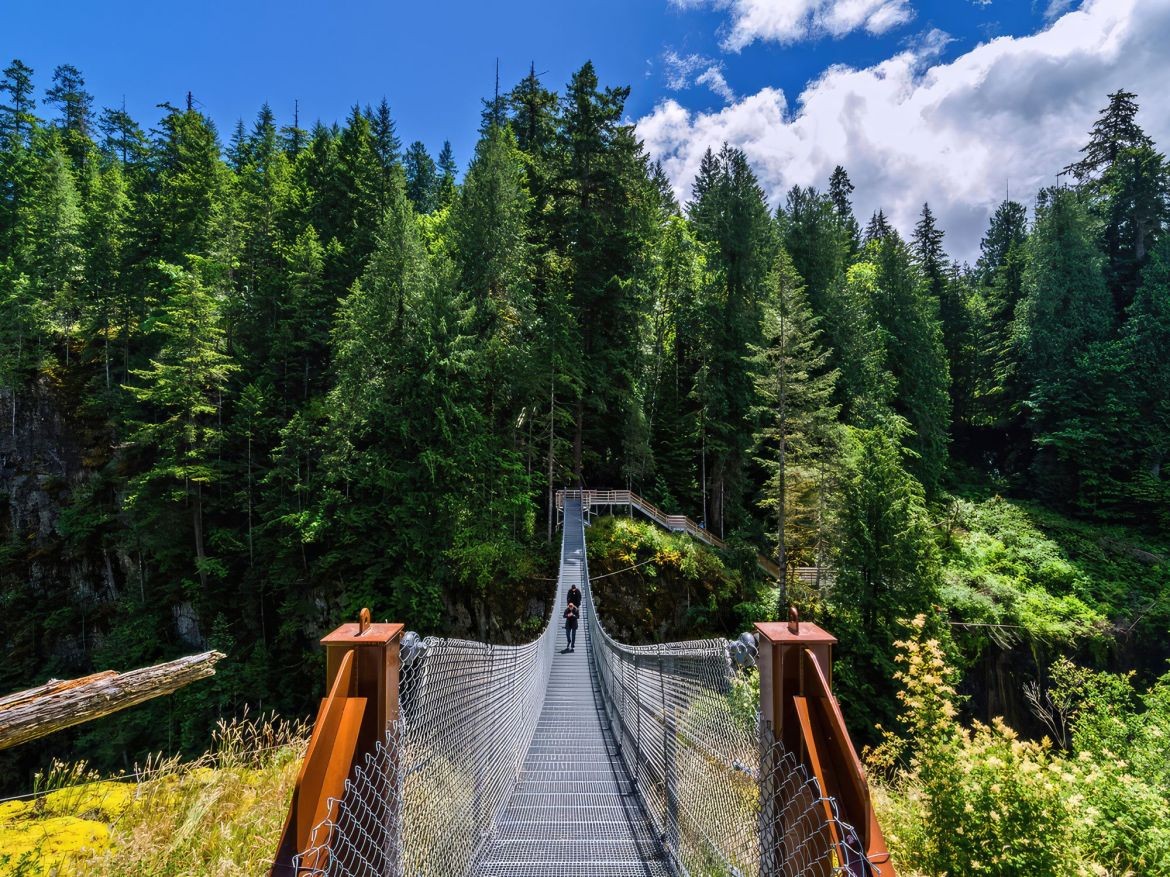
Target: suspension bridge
{"x":438,"y":757}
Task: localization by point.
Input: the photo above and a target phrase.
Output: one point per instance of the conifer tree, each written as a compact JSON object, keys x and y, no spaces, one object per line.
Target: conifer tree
{"x":797,"y":418}
{"x":187,"y":206}
{"x":1126,"y":181}
{"x":1000,"y":273}
{"x":422,"y":178}
{"x":448,"y":171}
{"x":840,"y":190}
{"x":360,"y":182}
{"x":818,"y":243}
{"x":122,"y":137}
{"x":945,"y":286}
{"x":602,"y":227}
{"x":17,"y":168}
{"x":180,"y":395}
{"x":865,"y":386}
{"x":884,"y":559}
{"x":1066,"y":308}
{"x":878,"y":228}
{"x":384,"y":131}
{"x":676,"y":324}
{"x":916,"y":356}
{"x":106,"y":234}
{"x":54,"y":254}
{"x":75,"y":106}
{"x":730,"y":216}
{"x":18,"y":112}
{"x":490,"y":234}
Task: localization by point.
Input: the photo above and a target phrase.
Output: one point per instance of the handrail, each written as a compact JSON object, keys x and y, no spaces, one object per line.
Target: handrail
{"x":797,"y":702}
{"x":362,"y":670}
{"x":673,"y":523}
{"x":327,"y":763}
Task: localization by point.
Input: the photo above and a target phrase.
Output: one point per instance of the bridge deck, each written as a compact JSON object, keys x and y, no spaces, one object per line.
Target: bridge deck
{"x":574,"y":812}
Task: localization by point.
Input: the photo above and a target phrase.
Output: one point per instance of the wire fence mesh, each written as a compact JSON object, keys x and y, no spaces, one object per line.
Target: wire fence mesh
{"x":722,"y":797}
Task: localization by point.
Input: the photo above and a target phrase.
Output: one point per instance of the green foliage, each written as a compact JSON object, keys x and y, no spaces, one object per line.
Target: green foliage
{"x":798,"y":433}
{"x":358,"y":380}
{"x":660,"y":586}
{"x":983,"y":801}
{"x":1002,"y":569}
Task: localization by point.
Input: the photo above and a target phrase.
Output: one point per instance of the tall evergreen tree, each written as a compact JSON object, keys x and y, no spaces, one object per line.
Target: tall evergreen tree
{"x":730,"y":216}
{"x":1126,"y":180}
{"x":122,"y":137}
{"x":54,"y":254}
{"x":840,"y":192}
{"x":878,"y":228}
{"x":448,"y":172}
{"x":602,"y":227}
{"x":1065,"y":309}
{"x":884,"y":558}
{"x":187,"y":205}
{"x":916,"y":356}
{"x":490,"y":234}
{"x":422,"y":178}
{"x":384,"y":132}
{"x":18,"y":112}
{"x":676,"y":325}
{"x":797,"y":418}
{"x":180,"y":396}
{"x":947,"y":288}
{"x":1000,"y":274}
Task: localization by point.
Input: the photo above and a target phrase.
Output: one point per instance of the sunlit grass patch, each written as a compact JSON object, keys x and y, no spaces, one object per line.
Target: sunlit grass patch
{"x":221,"y":814}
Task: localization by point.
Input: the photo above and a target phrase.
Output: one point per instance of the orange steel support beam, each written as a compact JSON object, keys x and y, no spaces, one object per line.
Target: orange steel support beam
{"x":797,"y":703}
{"x":361,"y":672}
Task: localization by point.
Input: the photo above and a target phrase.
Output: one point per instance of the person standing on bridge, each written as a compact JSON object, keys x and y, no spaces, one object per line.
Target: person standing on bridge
{"x":575,"y":597}
{"x":572,"y":613}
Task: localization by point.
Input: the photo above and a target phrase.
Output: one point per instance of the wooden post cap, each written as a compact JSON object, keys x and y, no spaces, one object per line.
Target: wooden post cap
{"x":806,"y":633}
{"x":352,"y":634}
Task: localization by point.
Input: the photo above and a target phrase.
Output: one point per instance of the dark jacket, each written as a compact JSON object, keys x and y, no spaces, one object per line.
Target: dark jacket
{"x":575,"y":596}
{"x":571,"y":615}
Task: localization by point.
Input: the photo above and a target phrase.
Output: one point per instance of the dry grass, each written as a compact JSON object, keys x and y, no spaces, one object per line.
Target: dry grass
{"x":220,"y":815}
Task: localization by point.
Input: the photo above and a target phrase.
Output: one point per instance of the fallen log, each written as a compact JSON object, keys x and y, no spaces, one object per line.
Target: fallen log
{"x":27,"y":715}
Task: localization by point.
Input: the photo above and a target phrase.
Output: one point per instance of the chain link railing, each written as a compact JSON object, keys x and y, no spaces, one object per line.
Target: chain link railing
{"x":426,"y":799}
{"x":723,"y":796}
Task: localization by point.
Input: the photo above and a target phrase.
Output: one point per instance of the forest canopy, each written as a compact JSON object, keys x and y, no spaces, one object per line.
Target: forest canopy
{"x":251,"y":384}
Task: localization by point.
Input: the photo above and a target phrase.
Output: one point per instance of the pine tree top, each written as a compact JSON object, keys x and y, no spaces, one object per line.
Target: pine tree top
{"x":1115,"y":129}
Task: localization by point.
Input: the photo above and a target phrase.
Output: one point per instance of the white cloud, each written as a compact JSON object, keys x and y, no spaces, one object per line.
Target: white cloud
{"x":788,"y":21}
{"x":684,"y":71}
{"x":1010,"y":111}
{"x":1057,"y":8}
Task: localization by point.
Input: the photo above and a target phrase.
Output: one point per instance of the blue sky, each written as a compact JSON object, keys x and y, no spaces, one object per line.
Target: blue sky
{"x":433,"y":61}
{"x":701,"y":70}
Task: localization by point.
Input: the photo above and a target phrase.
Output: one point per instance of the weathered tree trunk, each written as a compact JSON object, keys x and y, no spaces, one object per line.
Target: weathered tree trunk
{"x":27,"y":715}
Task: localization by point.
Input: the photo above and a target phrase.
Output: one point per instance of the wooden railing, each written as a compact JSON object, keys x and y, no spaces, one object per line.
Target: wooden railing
{"x":797,"y":704}
{"x":674,"y":523}
{"x":361,"y":672}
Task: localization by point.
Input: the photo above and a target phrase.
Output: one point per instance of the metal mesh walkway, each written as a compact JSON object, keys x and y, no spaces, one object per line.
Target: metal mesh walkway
{"x":574,"y":812}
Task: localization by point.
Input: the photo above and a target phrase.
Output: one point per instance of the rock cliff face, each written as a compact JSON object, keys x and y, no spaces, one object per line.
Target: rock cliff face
{"x":53,"y":587}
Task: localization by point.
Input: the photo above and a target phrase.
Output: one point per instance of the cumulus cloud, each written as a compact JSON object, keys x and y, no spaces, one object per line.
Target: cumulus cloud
{"x":789,"y":21}
{"x":1057,"y":8}
{"x":684,"y":71}
{"x":1012,"y":111}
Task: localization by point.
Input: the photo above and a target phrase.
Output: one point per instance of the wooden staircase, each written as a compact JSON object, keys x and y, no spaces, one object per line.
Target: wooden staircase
{"x":591,"y":499}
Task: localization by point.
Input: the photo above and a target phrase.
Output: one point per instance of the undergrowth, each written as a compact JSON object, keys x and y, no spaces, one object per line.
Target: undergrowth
{"x":219,"y":815}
